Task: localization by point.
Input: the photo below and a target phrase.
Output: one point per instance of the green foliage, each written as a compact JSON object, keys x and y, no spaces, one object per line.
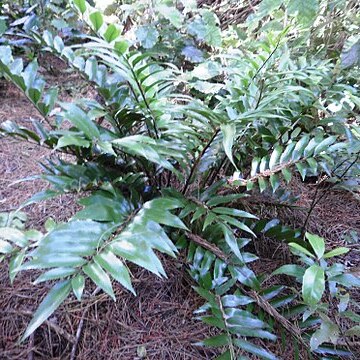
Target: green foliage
{"x":314,"y":278}
{"x":168,"y":155}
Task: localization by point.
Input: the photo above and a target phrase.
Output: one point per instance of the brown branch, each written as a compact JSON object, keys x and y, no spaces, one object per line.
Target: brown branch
{"x":265,"y":305}
{"x":260,"y":301}
{"x":208,"y":246}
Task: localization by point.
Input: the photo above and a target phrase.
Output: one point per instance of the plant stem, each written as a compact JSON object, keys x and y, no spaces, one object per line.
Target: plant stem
{"x":197,"y":161}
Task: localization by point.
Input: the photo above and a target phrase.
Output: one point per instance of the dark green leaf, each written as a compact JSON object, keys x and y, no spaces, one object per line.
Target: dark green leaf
{"x":313,"y":284}
{"x":215,"y":341}
{"x":80,"y":119}
{"x":245,"y":276}
{"x":291,"y":270}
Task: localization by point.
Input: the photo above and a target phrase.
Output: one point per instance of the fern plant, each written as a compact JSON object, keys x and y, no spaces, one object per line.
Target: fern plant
{"x":166,"y":160}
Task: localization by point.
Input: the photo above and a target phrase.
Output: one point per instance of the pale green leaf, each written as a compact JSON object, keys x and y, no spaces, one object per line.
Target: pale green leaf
{"x":233,"y":212}
{"x":229,"y":132}
{"x":336,"y":252}
{"x":72,"y":140}
{"x":54,"y":274}
{"x":96,"y":19}
{"x":324,"y":144}
{"x":121,"y":46}
{"x":5,"y":247}
{"x":354,"y":331}
{"x":99,"y":277}
{"x":115,"y":267}
{"x":78,"y":285}
{"x":15,"y":236}
{"x":147,"y":36}
{"x":15,"y":263}
{"x":111,"y":33}
{"x":275,"y":156}
{"x":81,"y":5}
{"x":317,"y":243}
{"x":305,"y":10}
{"x":328,"y":332}
{"x":301,"y":249}
{"x":172,"y":14}
{"x":50,"y":303}
{"x":254,"y":349}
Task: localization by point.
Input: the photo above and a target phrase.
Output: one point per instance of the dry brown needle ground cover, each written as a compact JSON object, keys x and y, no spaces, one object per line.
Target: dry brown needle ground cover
{"x":157,"y":324}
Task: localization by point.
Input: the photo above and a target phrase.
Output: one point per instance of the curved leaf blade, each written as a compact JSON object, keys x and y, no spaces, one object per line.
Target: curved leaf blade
{"x":100,"y":278}
{"x":313,"y":284}
{"x":50,"y":303}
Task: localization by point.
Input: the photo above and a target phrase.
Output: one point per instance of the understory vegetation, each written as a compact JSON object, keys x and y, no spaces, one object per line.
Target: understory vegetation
{"x":199,"y":106}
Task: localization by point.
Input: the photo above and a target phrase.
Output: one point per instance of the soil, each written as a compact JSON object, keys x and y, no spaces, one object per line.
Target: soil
{"x":157,"y":324}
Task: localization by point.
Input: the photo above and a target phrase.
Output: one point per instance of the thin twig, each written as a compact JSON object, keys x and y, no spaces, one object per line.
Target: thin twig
{"x":286,"y":324}
{"x":208,"y":246}
{"x":316,"y":200}
{"x":70,"y":338}
{"x":223,"y":315}
{"x":268,"y":58}
{"x":31,"y":346}
{"x":80,"y":327}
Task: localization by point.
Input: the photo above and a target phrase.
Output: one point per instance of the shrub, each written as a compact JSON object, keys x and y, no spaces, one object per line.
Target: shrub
{"x":167,"y":157}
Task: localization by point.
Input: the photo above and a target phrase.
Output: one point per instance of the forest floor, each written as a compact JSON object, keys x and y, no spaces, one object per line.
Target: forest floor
{"x":160,"y":322}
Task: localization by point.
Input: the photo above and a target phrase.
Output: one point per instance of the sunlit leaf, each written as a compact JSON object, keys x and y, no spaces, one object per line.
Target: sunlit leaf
{"x":317,"y":243}
{"x":313,"y":284}
{"x":96,"y":19}
{"x":81,"y":5}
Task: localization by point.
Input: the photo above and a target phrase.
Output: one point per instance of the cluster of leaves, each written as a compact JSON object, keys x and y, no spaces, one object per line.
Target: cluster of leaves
{"x":168,"y":156}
